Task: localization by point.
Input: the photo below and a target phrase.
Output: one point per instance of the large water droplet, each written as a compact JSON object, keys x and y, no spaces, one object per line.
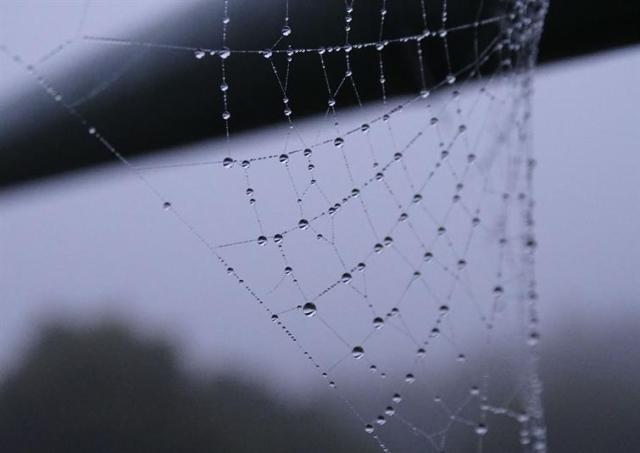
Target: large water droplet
{"x":389,"y":411}
{"x":396,"y":398}
{"x":338,"y":142}
{"x":378,"y":322}
{"x":227,"y":162}
{"x":410,"y":378}
{"x":286,"y":30}
{"x":262,"y":240}
{"x":224,"y":53}
{"x":357,"y":352}
{"x":303,"y":224}
{"x":309,"y":309}
{"x":346,"y":277}
{"x":199,"y":54}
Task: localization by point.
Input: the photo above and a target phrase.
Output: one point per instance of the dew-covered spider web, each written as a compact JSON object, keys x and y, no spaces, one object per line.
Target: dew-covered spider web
{"x":389,"y":231}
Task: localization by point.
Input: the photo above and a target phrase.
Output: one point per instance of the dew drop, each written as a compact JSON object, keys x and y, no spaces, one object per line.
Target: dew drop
{"x":199,"y":54}
{"x":451,"y":79}
{"x":307,"y":152}
{"x":226,"y":115}
{"x":262,"y":240}
{"x":396,"y":398}
{"x":444,"y":309}
{"x":268,"y":53}
{"x":481,"y":429}
{"x":389,"y":411}
{"x":331,"y":102}
{"x":346,"y":277}
{"x":387,"y":241}
{"x":277,"y":238}
{"x":417,"y":198}
{"x":286,"y":30}
{"x":404,"y":216}
{"x":225,"y":53}
{"x":365,"y":127}
{"x":224,"y":87}
{"x":355,"y":192}
{"x":357,"y":352}
{"x":475,"y":391}
{"x":227,"y":162}
{"x":410,"y":378}
{"x":368,"y":428}
{"x":92,"y":130}
{"x":245,"y":164}
{"x":309,"y":309}
{"x":428,"y":256}
{"x":380,"y":420}
{"x":361,"y":266}
{"x":433,"y":121}
{"x":283,"y":158}
{"x":378,"y":322}
{"x":166,"y":205}
{"x":378,"y":248}
{"x":338,"y":142}
{"x":303,"y":224}
{"x":421,"y":352}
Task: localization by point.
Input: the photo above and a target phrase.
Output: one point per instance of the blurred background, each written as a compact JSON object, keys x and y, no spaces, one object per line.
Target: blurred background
{"x":113,"y":325}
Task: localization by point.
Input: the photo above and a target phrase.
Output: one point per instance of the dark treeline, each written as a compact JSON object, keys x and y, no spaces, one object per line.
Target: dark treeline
{"x":160,"y":98}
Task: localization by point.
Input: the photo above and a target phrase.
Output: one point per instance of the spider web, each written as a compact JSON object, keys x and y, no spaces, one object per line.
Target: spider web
{"x":393,"y":241}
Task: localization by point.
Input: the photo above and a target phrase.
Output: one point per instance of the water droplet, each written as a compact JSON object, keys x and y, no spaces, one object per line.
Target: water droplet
{"x":225,"y":53}
{"x":92,"y":130}
{"x":309,"y":309}
{"x":245,"y":164}
{"x":461,"y":358}
{"x":417,"y":198}
{"x":303,"y":224}
{"x":226,"y":20}
{"x":462,"y":128}
{"x":226,"y":115}
{"x":451,"y":79}
{"x":461,"y":264}
{"x":262,"y":240}
{"x":471,"y":158}
{"x":396,"y":398}
{"x":307,"y":152}
{"x":498,"y":291}
{"x":474,"y":390}
{"x":368,"y":428}
{"x":378,"y":248}
{"x":199,"y":54}
{"x":444,"y":309}
{"x":166,"y":205}
{"x":277,"y":238}
{"x":428,"y":256}
{"x":346,"y":277}
{"x":284,"y":158}
{"x":357,"y":352}
{"x":421,"y":352}
{"x":224,"y":87}
{"x":378,"y":322}
{"x":338,"y":142}
{"x":355,"y":192}
{"x":442,"y":230}
{"x":433,"y":121}
{"x":267,"y":53}
{"x":379,"y":46}
{"x":286,"y":30}
{"x":379,"y":176}
{"x":227,"y":162}
{"x":380,"y":420}
{"x":534,"y":338}
{"x":481,"y":429}
{"x":389,"y":411}
{"x":287,"y":111}
{"x":410,"y":378}
{"x":331,"y":102}
{"x":365,"y":127}
{"x":373,"y":368}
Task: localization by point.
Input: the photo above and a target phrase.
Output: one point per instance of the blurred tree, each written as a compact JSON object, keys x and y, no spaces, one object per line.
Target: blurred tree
{"x":103,"y":390}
